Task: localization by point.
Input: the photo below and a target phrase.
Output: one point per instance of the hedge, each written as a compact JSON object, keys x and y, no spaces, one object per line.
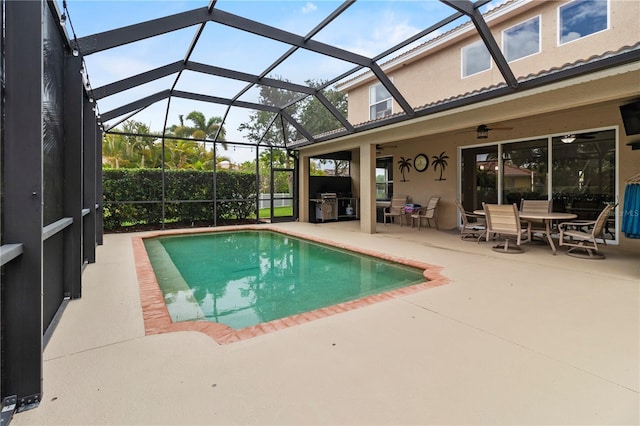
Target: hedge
{"x":134,"y":196}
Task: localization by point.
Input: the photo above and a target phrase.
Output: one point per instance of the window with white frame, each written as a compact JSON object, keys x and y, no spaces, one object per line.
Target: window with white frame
{"x":581,"y":18}
{"x":380,"y":102}
{"x":475,"y":59}
{"x":521,"y":40}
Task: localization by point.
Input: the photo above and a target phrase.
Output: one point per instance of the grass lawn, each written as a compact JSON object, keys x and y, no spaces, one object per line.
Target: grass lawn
{"x":277,"y":212}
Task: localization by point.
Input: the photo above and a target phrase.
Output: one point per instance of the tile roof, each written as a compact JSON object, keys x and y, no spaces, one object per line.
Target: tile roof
{"x":431,"y":41}
{"x":487,"y":89}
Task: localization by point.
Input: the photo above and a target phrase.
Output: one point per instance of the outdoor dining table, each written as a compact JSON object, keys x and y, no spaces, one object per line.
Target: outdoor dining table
{"x":547,"y":218}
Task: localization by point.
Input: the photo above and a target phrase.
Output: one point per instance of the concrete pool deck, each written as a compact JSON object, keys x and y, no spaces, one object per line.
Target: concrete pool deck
{"x":511,"y":339}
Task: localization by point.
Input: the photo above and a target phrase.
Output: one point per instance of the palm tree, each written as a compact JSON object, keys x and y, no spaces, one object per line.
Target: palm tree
{"x":203,"y":128}
{"x":404,"y":164}
{"x":113,"y":150}
{"x":140,"y":147}
{"x":440,"y":161}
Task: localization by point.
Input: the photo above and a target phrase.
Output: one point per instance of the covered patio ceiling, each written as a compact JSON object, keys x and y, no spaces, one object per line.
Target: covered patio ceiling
{"x":206,"y":73}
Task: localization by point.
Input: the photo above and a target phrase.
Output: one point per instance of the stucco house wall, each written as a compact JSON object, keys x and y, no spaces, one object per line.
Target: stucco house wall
{"x":581,"y":104}
{"x":435,"y":73}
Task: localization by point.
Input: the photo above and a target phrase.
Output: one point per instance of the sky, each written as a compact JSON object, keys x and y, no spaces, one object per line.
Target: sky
{"x":368,"y":28}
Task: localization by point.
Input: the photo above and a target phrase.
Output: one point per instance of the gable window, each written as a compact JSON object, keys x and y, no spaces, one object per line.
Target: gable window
{"x":521,"y":40}
{"x":380,"y":101}
{"x":475,"y":59}
{"x":581,"y":18}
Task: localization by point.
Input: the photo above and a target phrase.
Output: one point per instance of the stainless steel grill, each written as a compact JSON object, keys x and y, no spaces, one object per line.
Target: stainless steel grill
{"x":327,"y":209}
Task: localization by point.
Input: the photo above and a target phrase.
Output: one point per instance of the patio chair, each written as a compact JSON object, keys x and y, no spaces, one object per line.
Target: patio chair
{"x":473,"y":225}
{"x":583,"y":235}
{"x":535,"y":206}
{"x":503,"y":220}
{"x":396,"y":209}
{"x":430,"y":211}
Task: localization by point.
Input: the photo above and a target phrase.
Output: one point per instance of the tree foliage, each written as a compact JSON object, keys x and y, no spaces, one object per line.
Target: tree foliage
{"x":315,"y":117}
{"x":126,"y":151}
{"x":201,"y":129}
{"x":309,"y":112}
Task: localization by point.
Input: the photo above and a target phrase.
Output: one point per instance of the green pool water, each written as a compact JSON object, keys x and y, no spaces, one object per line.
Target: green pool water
{"x":249,"y":277}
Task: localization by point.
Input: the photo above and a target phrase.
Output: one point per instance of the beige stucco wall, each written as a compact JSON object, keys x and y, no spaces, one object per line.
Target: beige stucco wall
{"x":582,"y":104}
{"x":437,"y":76}
{"x":585,"y":103}
{"x":420,"y":186}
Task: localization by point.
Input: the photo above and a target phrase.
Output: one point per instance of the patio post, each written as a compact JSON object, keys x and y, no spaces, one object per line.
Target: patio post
{"x":368,"y":188}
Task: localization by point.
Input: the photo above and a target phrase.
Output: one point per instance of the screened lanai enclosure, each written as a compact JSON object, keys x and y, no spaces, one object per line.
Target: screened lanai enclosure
{"x":202,"y":122}
{"x":278,"y":107}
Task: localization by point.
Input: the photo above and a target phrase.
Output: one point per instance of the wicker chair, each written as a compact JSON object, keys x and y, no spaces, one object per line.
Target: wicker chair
{"x":582,"y":236}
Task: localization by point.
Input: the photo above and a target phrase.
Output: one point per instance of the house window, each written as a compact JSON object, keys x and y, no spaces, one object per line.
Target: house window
{"x":384,"y":178}
{"x":581,"y":18}
{"x":379,"y":101}
{"x":521,"y":40}
{"x":475,"y":59}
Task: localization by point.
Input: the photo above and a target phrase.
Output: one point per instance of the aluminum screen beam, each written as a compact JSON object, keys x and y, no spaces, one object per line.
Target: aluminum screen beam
{"x":136,"y":105}
{"x":250,"y":78}
{"x":393,"y":91}
{"x":125,"y":35}
{"x":337,"y":12}
{"x":312,"y":45}
{"x":137,"y":80}
{"x":175,"y":67}
{"x":472,"y":11}
{"x":286,"y":37}
{"x":297,"y":125}
{"x":92,"y":157}
{"x":73,"y":175}
{"x":22,"y":202}
{"x":132,"y":33}
{"x":337,"y":114}
{"x":224,"y":101}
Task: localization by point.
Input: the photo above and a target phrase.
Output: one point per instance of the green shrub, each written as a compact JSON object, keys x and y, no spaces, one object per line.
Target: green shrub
{"x":134,"y":196}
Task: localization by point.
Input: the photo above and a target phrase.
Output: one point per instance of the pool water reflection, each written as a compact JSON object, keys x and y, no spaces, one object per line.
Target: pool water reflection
{"x":245,"y":278}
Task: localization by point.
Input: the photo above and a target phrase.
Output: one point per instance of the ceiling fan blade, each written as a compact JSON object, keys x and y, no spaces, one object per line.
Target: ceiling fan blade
{"x":501,"y":128}
{"x":586,"y":136}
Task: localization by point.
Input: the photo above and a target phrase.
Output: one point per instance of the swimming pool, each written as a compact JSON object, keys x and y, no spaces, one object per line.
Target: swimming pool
{"x":250,"y":277}
{"x":260,"y":292}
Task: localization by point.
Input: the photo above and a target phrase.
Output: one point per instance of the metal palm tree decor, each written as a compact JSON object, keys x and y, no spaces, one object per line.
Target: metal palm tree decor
{"x":404,"y":164}
{"x":441,"y":162}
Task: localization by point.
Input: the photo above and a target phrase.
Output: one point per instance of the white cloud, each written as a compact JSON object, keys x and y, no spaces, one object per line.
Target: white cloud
{"x":309,"y":7}
{"x":390,"y":32}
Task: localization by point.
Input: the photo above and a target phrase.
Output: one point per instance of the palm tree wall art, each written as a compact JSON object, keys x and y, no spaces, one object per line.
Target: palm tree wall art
{"x":404,"y":164}
{"x":440,"y":161}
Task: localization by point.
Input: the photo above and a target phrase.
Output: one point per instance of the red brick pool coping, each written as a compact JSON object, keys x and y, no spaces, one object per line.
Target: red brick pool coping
{"x":156,"y":315}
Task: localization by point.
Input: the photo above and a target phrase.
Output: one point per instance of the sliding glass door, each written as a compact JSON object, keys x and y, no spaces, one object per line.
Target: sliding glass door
{"x":479,"y":177}
{"x":584,"y":175}
{"x":525,"y":169}
{"x":578,"y":174}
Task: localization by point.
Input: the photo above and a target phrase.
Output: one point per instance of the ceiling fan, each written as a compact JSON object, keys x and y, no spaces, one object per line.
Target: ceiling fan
{"x":569,"y":138}
{"x":380,"y":148}
{"x":482,"y":131}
